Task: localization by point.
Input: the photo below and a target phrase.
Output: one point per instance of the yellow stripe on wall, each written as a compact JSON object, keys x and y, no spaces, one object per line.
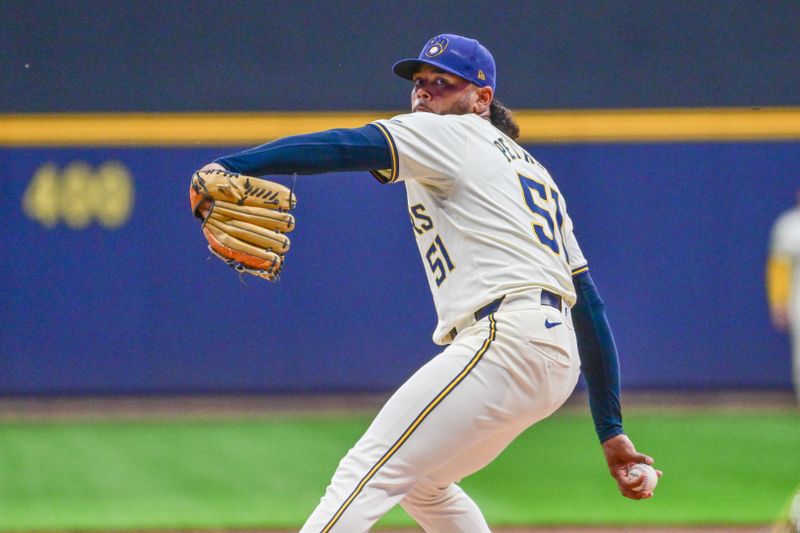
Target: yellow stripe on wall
{"x":647,"y":125}
{"x":244,"y":129}
{"x":168,"y":129}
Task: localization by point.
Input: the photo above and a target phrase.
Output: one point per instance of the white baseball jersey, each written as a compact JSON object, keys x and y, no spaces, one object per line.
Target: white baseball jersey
{"x":488,"y":218}
{"x":785,"y":241}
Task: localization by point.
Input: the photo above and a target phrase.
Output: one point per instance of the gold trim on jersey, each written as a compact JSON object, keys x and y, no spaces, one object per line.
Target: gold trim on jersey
{"x":580,"y":270}
{"x":536,"y":126}
{"x":415,"y":424}
{"x":380,"y":175}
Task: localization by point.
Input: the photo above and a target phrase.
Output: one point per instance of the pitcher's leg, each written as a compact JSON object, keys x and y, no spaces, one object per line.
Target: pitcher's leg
{"x":349,"y":505}
{"x":449,"y":419}
{"x":417,"y":430}
{"x":437,"y":503}
{"x":440,"y":507}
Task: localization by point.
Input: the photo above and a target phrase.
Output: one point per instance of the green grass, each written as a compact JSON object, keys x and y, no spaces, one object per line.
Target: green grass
{"x":718,"y":468}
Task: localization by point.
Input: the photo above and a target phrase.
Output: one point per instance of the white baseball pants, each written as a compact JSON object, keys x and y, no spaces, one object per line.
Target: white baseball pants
{"x":452,"y":418}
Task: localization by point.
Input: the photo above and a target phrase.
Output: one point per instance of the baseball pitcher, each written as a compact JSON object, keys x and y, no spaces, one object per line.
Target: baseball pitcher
{"x":518,"y":314}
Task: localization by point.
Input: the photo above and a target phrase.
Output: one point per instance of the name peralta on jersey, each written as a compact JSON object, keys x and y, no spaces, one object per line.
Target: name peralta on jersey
{"x":488,"y":218}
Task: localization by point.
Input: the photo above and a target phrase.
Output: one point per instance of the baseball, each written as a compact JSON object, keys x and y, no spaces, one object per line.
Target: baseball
{"x":641,"y":470}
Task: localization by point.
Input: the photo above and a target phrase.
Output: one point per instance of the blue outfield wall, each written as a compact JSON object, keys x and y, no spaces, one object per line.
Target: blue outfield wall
{"x":676,"y":235}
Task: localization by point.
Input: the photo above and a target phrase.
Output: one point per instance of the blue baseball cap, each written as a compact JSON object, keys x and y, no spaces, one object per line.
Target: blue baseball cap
{"x":455,"y":54}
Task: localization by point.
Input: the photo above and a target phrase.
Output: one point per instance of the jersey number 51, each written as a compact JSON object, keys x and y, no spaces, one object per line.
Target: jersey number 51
{"x":540,"y":197}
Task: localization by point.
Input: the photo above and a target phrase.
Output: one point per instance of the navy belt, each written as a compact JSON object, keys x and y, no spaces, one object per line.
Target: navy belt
{"x":548,"y":298}
{"x":552,"y":299}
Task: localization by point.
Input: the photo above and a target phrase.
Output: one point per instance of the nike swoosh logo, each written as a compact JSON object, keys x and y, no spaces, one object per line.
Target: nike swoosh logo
{"x":549,"y":324}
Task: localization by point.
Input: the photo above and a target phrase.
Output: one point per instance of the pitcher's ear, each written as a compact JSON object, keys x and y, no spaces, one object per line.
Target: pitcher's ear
{"x":484,"y":100}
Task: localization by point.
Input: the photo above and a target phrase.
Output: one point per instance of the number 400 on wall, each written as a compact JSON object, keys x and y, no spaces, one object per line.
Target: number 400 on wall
{"x":79,"y":194}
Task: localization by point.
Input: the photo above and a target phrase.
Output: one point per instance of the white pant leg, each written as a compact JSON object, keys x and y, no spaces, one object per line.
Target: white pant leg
{"x":374,"y":475}
{"x":443,"y":507}
{"x":438,"y":504}
{"x":493,"y":379}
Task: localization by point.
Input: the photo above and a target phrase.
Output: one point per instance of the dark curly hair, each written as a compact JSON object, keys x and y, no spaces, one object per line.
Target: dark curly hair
{"x":502,"y":119}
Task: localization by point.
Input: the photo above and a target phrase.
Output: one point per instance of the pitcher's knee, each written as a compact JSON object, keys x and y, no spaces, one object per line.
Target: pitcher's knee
{"x":428,"y":495}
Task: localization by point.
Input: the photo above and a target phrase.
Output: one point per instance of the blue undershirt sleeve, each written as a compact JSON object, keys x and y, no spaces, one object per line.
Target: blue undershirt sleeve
{"x":598,"y":354}
{"x":364,"y":148}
